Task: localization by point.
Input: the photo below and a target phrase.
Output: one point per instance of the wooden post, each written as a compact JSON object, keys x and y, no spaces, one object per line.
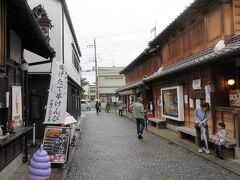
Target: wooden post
{"x":236,"y":117}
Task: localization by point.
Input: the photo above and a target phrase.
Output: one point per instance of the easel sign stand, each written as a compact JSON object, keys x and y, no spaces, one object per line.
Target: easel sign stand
{"x":56,"y":143}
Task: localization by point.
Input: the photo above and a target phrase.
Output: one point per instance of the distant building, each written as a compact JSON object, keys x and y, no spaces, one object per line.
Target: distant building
{"x":86,"y":92}
{"x":92,"y":92}
{"x":109,"y":80}
{"x":89,"y":92}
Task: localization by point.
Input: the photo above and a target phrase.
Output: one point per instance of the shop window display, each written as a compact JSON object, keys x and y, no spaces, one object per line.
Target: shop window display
{"x":172,"y":103}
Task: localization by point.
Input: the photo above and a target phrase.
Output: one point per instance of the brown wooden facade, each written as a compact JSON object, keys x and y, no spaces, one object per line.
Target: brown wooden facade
{"x":202,"y":34}
{"x":146,"y":68}
{"x":191,"y":36}
{"x":220,"y":21}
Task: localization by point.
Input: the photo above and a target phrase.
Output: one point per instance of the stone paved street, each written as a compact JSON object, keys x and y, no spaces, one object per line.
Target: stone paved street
{"x":109,"y":149}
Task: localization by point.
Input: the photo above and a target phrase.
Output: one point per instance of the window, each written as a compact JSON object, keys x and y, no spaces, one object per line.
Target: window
{"x":75,"y":62}
{"x":172,"y":103}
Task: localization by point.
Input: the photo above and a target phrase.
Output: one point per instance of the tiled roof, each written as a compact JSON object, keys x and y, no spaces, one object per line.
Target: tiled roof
{"x":206,"y":56}
{"x":130,"y":86}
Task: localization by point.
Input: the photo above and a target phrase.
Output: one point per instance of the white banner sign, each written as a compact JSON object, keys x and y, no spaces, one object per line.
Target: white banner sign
{"x":57,"y":97}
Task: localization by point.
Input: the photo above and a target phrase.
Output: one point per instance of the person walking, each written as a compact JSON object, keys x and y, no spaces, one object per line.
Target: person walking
{"x":138,"y":114}
{"x":120,"y":107}
{"x":201,"y":126}
{"x":98,"y":106}
{"x":107,"y":109}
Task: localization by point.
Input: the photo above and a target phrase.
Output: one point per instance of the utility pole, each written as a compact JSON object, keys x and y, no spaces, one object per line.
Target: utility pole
{"x":95,"y":60}
{"x":96,"y":72}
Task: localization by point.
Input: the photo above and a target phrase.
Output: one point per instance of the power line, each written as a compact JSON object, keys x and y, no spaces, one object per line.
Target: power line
{"x":124,"y":33}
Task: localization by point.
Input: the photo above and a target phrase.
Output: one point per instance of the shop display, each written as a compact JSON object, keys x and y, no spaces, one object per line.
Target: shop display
{"x":56,"y":142}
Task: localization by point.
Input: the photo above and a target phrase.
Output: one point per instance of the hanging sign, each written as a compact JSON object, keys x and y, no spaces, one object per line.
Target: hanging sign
{"x":56,"y":143}
{"x":57,"y":97}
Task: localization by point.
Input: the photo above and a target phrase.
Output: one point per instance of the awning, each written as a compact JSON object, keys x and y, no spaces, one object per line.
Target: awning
{"x":207,"y":56}
{"x":130,"y":86}
{"x":127,"y":92}
{"x":21,"y":20}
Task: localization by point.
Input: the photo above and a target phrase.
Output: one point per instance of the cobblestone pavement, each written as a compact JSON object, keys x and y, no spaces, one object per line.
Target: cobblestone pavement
{"x":109,"y":149}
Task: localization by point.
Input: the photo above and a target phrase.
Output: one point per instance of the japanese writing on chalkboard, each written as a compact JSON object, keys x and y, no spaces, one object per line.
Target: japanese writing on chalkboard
{"x":57,"y":98}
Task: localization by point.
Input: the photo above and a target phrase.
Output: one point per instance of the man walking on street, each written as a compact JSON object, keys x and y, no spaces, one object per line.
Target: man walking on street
{"x":138,"y":114}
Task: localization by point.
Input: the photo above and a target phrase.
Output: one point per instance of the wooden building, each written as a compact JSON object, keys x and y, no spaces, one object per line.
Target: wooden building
{"x":143,"y":66}
{"x":18,"y":31}
{"x":199,"y":54}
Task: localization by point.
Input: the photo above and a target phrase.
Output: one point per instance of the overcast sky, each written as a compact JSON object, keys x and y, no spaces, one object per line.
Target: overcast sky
{"x":122,"y":28}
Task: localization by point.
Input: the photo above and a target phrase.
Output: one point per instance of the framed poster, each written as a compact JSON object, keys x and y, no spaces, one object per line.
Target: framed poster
{"x":16,"y":107}
{"x":56,"y":143}
{"x":172,"y":103}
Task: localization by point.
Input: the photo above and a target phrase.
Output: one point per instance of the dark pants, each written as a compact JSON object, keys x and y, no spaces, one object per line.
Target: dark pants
{"x":120,"y":112}
{"x":201,"y":143}
{"x":219,"y":150}
{"x":97,"y":110}
{"x":140,"y":125}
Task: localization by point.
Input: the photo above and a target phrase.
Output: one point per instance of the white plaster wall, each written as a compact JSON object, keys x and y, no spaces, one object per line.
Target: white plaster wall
{"x":68,"y":39}
{"x":107,"y":85}
{"x":31,"y":57}
{"x":114,"y":80}
{"x":54,"y":12}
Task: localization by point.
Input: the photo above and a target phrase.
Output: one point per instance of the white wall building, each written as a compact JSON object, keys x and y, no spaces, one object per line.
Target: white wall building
{"x":64,"y":41}
{"x":109,"y":80}
{"x":89,"y":92}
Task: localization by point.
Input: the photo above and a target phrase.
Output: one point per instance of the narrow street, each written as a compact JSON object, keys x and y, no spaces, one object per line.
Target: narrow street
{"x":109,"y":149}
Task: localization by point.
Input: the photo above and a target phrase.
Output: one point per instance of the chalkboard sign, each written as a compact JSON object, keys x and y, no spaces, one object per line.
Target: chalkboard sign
{"x":56,"y":142}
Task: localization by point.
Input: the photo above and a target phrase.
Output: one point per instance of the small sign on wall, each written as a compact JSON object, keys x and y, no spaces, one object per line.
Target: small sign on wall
{"x":207,"y":95}
{"x":191,"y":103}
{"x":234,"y":97}
{"x":196,"y":84}
{"x":186,"y":99}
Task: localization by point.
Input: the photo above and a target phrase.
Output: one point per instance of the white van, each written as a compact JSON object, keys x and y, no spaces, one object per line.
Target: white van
{"x":85,"y":104}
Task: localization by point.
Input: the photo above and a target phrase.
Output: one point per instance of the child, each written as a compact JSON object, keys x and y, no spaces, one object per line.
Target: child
{"x":220,"y":140}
